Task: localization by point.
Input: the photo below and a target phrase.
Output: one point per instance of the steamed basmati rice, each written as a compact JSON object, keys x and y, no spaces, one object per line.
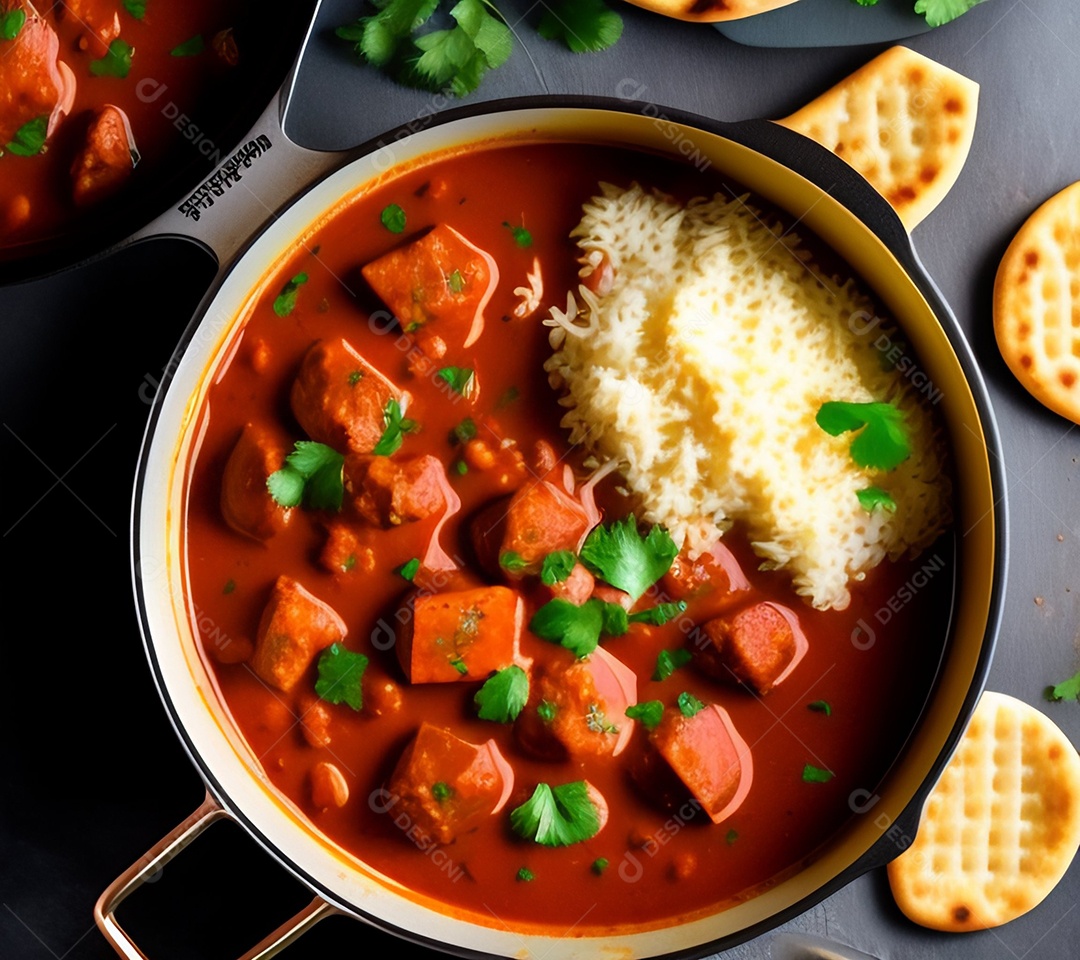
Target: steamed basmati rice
{"x":702,"y":370}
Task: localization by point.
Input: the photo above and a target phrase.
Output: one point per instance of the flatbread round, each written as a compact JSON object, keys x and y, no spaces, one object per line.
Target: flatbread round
{"x":904,"y":121}
{"x":1001,"y":826}
{"x":1037,"y":304}
{"x":710,"y":10}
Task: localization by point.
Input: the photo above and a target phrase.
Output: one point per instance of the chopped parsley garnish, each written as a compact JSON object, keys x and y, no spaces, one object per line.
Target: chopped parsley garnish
{"x":460,"y":379}
{"x":521,"y":236}
{"x":456,"y":282}
{"x":341,"y":673}
{"x":189,"y":48}
{"x":459,"y":665}
{"x":648,"y":714}
{"x":668,"y":661}
{"x":455,"y":59}
{"x":557,"y":567}
{"x":812,"y":774}
{"x":503,"y":695}
{"x":525,"y":875}
{"x":409,"y":570}
{"x":546,"y":710}
{"x":1067,"y":690}
{"x":622,"y":557}
{"x":461,"y":467}
{"x":578,"y":627}
{"x":116,"y":62}
{"x":732,"y":836}
{"x":230,"y":586}
{"x":355,"y":377}
{"x":585,"y":26}
{"x":465,"y":431}
{"x":599,"y":865}
{"x":690,"y":705}
{"x":512,"y":562}
{"x":557,"y":816}
{"x":311,"y":475}
{"x":820,"y":706}
{"x":11,"y":23}
{"x":873,"y":498}
{"x":285,"y":302}
{"x":29,"y":139}
{"x":393,"y":218}
{"x":137,"y":8}
{"x":660,"y":614}
{"x":882,"y":440}
{"x":938,"y":12}
{"x":441,"y":791}
{"x":396,"y":426}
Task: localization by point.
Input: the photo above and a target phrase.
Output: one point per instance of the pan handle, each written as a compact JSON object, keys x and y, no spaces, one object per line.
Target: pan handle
{"x":208,"y":812}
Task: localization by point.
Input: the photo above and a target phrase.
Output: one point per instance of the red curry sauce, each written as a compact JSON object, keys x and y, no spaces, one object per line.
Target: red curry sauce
{"x":662,"y":862}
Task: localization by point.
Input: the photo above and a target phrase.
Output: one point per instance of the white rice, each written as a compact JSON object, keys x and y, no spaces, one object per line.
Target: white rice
{"x":702,"y":371}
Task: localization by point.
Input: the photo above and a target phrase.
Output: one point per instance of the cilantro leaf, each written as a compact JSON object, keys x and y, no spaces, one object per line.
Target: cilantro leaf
{"x":660,"y":614}
{"x":116,"y":62}
{"x":341,"y":673}
{"x":812,"y":774}
{"x":189,"y":48}
{"x":525,"y":875}
{"x":503,"y":695}
{"x":942,"y":11}
{"x":882,"y":441}
{"x":820,"y":706}
{"x":458,"y":58}
{"x":285,"y":302}
{"x":312,"y":475}
{"x":620,"y":555}
{"x":410,"y":570}
{"x":1068,"y":690}
{"x":648,"y":714}
{"x":29,"y":139}
{"x":393,"y":218}
{"x":396,"y":426}
{"x":11,"y":23}
{"x":137,"y":8}
{"x":546,"y":710}
{"x":599,"y":865}
{"x":557,"y":816}
{"x":583,"y":25}
{"x":512,"y":562}
{"x":873,"y":498}
{"x":866,"y":3}
{"x":441,"y":791}
{"x":521,"y":236}
{"x":576,"y":628}
{"x":378,"y":39}
{"x":690,"y":705}
{"x":557,"y":567}
{"x":668,"y":661}
{"x":464,"y":431}
{"x":460,"y":379}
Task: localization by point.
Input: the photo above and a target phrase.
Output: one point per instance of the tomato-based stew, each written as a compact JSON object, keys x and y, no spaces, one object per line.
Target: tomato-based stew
{"x":447,"y":634}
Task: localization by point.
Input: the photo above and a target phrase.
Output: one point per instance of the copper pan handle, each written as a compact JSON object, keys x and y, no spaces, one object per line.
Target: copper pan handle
{"x":208,"y":812}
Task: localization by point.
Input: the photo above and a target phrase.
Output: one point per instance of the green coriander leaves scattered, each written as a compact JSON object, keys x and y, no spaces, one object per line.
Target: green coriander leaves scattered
{"x":881,"y":442}
{"x":812,"y":774}
{"x":396,"y":425}
{"x":11,"y":23}
{"x":557,"y":567}
{"x":189,"y":48}
{"x":285,"y":302}
{"x":341,"y":673}
{"x":29,"y":139}
{"x":668,"y":661}
{"x":622,"y":557}
{"x":648,"y":714}
{"x":689,"y":705}
{"x":938,"y":12}
{"x":137,"y":8}
{"x":116,"y":62}
{"x":585,"y":26}
{"x":503,"y":695}
{"x":393,"y":218}
{"x":409,"y":570}
{"x":874,"y":498}
{"x":462,"y":380}
{"x":311,"y":476}
{"x":557,"y":816}
{"x":1067,"y":690}
{"x":820,"y":706}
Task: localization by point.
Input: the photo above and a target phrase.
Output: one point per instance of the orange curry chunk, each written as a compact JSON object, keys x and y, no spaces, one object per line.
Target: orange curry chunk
{"x":107,"y":158}
{"x":386,"y":492}
{"x":462,"y":635}
{"x":246,"y":504}
{"x":447,"y":786}
{"x":709,"y":757}
{"x":294,"y":627}
{"x":754,"y":646}
{"x":541,"y":519}
{"x":340,"y":399}
{"x":34,"y":84}
{"x":577,"y":708}
{"x":439,"y":278}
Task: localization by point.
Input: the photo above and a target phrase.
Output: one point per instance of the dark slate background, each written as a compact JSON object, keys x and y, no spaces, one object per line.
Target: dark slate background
{"x":92,"y":771}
